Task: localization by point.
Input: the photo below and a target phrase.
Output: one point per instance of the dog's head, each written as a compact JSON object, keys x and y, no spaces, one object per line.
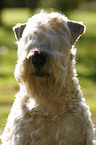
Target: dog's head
{"x":44,"y":52}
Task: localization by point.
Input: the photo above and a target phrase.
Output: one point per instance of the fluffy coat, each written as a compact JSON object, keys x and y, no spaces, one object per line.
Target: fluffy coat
{"x":49,"y":108}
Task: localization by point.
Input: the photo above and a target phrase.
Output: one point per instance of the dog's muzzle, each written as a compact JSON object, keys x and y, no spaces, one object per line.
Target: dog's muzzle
{"x":39,"y":61}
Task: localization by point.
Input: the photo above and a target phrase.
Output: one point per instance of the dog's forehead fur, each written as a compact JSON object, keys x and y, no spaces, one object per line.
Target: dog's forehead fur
{"x":46,"y":32}
{"x":44,"y":29}
{"x":45,"y":25}
{"x":46,"y":21}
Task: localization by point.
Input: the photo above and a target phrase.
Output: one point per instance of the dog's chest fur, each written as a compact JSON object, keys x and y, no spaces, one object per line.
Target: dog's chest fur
{"x":41,"y":127}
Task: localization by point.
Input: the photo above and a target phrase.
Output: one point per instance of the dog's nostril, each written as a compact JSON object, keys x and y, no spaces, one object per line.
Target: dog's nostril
{"x":38,"y":60}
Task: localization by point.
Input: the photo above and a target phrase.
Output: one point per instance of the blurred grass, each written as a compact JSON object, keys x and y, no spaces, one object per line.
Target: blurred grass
{"x":8,"y":85}
{"x":86,"y":62}
{"x":11,"y":16}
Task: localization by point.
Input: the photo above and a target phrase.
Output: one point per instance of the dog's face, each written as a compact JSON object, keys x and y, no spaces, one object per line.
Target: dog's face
{"x":44,"y":52}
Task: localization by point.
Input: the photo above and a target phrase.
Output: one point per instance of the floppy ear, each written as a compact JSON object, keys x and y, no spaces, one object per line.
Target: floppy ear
{"x":18,"y":30}
{"x":77,"y":29}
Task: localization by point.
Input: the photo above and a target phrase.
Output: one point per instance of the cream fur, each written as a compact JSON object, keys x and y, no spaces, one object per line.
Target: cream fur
{"x":48,"y":110}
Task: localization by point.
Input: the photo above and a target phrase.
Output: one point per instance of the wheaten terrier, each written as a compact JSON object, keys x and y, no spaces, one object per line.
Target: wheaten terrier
{"x":49,"y":108}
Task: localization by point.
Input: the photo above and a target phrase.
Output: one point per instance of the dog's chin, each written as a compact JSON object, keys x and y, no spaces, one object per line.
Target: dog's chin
{"x":41,"y":74}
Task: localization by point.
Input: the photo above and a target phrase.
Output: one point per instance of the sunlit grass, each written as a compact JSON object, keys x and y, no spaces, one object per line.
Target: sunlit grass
{"x":4,"y":111}
{"x":11,"y":16}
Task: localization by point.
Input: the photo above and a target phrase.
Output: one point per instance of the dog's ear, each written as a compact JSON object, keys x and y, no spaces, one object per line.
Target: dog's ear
{"x":77,"y":29}
{"x":18,"y":30}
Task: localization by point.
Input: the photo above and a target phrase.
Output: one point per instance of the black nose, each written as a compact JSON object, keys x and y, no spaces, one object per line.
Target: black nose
{"x":38,"y":60}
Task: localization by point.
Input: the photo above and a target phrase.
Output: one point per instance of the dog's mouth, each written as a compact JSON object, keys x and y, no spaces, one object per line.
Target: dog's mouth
{"x":41,"y":74}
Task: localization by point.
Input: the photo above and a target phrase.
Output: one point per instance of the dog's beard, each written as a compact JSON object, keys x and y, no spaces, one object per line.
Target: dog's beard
{"x":43,"y":89}
{"x":44,"y":85}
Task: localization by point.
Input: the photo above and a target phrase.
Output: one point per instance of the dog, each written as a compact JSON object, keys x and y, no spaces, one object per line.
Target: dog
{"x":49,"y":109}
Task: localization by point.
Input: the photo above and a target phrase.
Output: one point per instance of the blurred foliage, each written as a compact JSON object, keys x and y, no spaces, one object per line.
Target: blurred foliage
{"x":89,"y":6}
{"x":61,"y":5}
